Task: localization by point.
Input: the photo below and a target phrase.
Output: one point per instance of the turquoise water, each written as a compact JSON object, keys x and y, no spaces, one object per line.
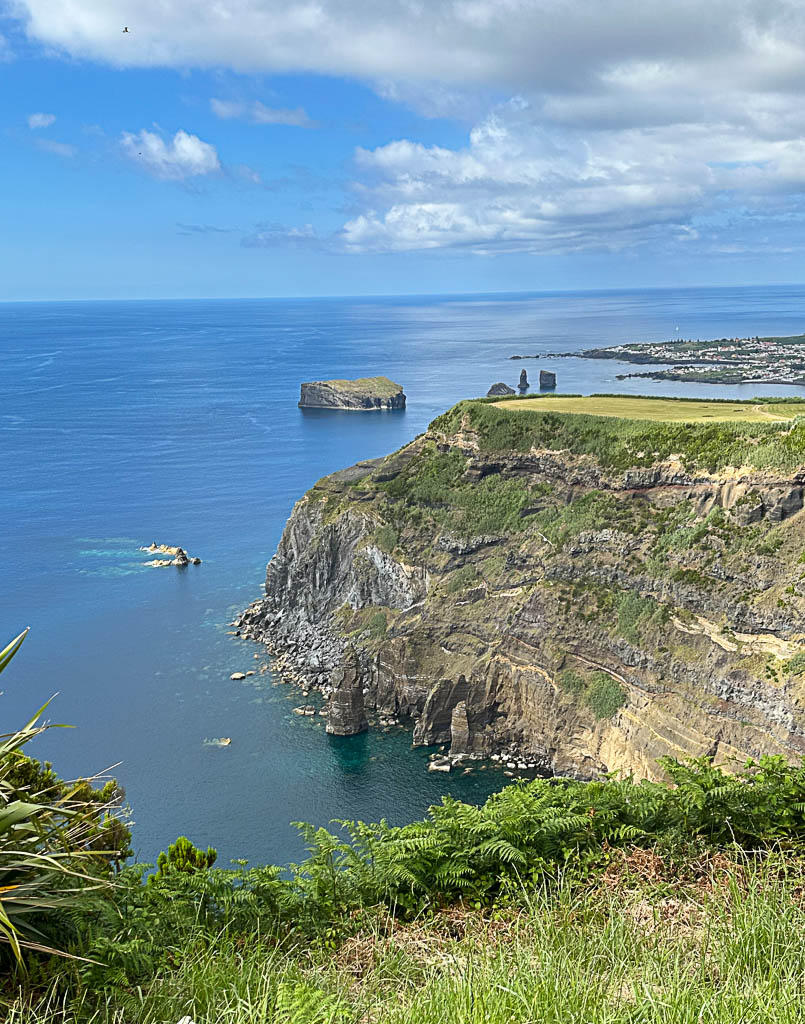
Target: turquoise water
{"x":127,"y":422}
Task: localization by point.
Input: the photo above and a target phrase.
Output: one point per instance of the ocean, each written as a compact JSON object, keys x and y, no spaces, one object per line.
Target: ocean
{"x":122,"y":423}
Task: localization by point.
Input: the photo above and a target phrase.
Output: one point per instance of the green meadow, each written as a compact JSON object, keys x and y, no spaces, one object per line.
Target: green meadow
{"x":666,"y":410}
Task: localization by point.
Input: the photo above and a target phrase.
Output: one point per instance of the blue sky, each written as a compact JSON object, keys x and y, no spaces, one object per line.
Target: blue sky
{"x":252,"y":147}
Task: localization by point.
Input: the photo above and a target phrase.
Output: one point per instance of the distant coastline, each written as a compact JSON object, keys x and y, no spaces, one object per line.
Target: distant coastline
{"x":754,"y":360}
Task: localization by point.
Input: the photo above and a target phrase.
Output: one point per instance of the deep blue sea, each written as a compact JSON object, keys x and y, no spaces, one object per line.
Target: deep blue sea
{"x":127,"y":422}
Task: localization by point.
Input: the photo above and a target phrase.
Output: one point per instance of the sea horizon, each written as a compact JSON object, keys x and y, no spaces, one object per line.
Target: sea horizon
{"x":382,"y":295}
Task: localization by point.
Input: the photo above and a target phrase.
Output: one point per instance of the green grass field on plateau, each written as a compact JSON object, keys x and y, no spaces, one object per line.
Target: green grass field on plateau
{"x":624,"y":431}
{"x":667,"y":410}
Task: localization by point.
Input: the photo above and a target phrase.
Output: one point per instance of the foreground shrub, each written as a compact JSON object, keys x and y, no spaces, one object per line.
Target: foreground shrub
{"x":59,"y":842}
{"x":524,"y":837}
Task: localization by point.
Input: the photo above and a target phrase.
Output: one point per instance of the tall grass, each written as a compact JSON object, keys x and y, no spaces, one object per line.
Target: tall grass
{"x":727,"y":949}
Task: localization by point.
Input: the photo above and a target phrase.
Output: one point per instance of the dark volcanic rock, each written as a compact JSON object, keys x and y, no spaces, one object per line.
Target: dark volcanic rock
{"x":523,"y":385}
{"x":547,"y":380}
{"x":785,"y":505}
{"x":500,"y":389}
{"x":347,"y":715}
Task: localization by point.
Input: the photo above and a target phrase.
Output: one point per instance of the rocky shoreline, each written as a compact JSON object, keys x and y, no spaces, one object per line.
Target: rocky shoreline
{"x":311,"y":659}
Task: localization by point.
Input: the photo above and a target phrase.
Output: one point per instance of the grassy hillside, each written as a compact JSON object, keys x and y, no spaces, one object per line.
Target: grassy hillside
{"x":757,"y":434}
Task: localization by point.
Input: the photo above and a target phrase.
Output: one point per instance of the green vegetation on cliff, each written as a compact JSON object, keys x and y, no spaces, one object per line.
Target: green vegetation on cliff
{"x":375,"y":387}
{"x":713,"y":941}
{"x":600,"y":692}
{"x":618,"y":443}
{"x":434,"y":483}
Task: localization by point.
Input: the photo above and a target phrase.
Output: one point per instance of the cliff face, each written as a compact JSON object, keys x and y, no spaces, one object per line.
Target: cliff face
{"x":534,"y":601}
{"x":364,"y":394}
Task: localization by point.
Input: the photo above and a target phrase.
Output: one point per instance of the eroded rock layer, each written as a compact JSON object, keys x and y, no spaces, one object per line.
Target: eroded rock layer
{"x":594,"y":619}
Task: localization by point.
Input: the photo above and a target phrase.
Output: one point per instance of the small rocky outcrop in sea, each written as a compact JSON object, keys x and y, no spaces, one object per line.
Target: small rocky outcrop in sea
{"x":346,"y":713}
{"x":547,"y":380}
{"x":500,"y":389}
{"x":523,"y":385}
{"x":364,"y":394}
{"x":180,"y":556}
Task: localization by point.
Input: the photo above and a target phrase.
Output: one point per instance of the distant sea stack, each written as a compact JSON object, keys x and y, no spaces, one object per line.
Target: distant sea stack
{"x":362,"y":395}
{"x":547,"y":380}
{"x":523,"y":385}
{"x":499,"y":389}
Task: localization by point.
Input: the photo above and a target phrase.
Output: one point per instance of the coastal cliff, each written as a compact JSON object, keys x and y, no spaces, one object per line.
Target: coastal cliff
{"x":582,"y":594}
{"x":364,"y":394}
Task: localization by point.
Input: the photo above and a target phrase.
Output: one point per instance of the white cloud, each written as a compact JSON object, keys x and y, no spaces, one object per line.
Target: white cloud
{"x":258,"y":113}
{"x":247,"y":174}
{"x":268,"y":235}
{"x":228,"y":109}
{"x":40,"y":121}
{"x":627,"y":122}
{"x":279,"y":115}
{"x":202,"y":229}
{"x":517,"y":44}
{"x":62,"y":149}
{"x":182,"y":157}
{"x":517,"y":185}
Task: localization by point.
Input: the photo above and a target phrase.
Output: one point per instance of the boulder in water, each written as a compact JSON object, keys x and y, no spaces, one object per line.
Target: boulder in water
{"x":181,"y":558}
{"x":500,"y":389}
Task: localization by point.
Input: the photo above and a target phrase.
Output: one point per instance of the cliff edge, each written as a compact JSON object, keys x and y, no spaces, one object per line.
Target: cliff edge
{"x":360,"y":395}
{"x":588,"y":593}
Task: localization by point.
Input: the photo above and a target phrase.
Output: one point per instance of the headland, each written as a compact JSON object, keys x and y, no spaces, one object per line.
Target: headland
{"x":580,"y":584}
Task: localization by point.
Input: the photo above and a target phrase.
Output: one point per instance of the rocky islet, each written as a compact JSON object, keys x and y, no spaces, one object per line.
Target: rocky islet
{"x":179,"y":557}
{"x":362,"y":395}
